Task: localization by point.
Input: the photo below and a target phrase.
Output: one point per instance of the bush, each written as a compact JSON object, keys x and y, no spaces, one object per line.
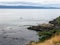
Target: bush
{"x":44,"y":35}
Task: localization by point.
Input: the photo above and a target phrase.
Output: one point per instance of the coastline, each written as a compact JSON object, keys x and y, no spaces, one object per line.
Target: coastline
{"x":48,"y":37}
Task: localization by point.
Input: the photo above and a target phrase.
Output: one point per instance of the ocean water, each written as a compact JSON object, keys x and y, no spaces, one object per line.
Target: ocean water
{"x":14,"y":23}
{"x":27,"y":15}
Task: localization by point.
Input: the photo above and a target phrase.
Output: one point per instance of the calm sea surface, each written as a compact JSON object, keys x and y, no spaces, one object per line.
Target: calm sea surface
{"x":14,"y":23}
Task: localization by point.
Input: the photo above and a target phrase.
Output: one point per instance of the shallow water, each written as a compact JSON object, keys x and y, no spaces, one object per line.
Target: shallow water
{"x":16,"y":35}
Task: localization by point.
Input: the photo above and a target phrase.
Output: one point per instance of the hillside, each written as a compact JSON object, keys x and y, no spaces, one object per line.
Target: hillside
{"x":48,"y":36}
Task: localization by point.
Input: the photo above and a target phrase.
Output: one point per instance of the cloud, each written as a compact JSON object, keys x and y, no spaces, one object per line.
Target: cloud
{"x":30,"y":4}
{"x":41,"y":1}
{"x":19,"y":3}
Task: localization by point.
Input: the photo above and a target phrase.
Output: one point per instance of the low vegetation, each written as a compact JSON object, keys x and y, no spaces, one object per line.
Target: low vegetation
{"x":49,"y":36}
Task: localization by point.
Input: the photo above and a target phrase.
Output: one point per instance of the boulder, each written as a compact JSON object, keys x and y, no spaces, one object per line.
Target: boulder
{"x":53,"y":22}
{"x":56,"y":21}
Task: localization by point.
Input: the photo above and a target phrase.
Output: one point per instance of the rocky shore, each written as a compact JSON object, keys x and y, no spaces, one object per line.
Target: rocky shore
{"x":42,"y":27}
{"x":47,"y":32}
{"x":54,"y":24}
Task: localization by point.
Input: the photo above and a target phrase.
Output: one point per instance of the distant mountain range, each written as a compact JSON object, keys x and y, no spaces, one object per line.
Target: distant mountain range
{"x":28,"y":5}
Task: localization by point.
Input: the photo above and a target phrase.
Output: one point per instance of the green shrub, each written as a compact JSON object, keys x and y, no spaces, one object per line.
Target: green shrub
{"x":44,"y":35}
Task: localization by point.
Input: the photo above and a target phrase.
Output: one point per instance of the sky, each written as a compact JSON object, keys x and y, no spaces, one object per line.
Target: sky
{"x":36,"y":1}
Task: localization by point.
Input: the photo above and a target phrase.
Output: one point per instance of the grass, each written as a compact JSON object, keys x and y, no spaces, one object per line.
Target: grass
{"x":51,"y":37}
{"x":47,"y":34}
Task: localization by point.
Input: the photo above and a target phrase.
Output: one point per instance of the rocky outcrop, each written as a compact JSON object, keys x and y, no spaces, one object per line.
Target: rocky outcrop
{"x":42,"y":27}
{"x":54,"y":24}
